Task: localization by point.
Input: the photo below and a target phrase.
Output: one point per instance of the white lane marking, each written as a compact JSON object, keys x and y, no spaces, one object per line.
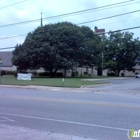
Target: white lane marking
{"x":63,"y":121}
{"x":4,"y":119}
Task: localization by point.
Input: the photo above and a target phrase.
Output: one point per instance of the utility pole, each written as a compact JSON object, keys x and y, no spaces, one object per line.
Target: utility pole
{"x":41,"y":20}
{"x":1,"y":63}
{"x":0,"y":74}
{"x":98,"y":32}
{"x":102,"y":62}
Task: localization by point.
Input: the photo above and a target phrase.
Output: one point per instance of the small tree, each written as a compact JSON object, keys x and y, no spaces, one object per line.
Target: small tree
{"x":122,"y":51}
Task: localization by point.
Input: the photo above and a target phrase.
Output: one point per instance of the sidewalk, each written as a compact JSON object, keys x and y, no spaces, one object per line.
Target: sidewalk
{"x":48,"y":88}
{"x":20,"y":133}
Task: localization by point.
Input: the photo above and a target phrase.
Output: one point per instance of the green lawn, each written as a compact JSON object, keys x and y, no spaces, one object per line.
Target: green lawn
{"x":69,"y":82}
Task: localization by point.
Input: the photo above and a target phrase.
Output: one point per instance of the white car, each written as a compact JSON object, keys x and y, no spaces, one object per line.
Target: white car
{"x":138,"y":76}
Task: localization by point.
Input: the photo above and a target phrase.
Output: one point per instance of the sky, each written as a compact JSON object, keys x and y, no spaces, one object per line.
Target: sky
{"x":26,"y":10}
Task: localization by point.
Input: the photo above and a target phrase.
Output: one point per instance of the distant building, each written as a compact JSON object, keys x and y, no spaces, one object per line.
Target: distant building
{"x":137,"y":69}
{"x":99,"y":31}
{"x":6,"y":57}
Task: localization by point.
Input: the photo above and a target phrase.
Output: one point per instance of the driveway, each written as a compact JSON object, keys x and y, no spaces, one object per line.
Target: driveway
{"x":118,"y":86}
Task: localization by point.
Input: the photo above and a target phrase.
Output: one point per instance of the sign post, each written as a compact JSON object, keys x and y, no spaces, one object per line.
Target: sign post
{"x":63,"y":80}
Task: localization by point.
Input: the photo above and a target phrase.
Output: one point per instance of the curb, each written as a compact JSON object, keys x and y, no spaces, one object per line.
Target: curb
{"x":45,"y":88}
{"x":22,"y":133}
{"x":90,"y":86}
{"x":105,"y":79}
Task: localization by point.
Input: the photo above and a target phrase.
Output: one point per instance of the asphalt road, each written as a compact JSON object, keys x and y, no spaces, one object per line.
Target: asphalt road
{"x":101,"y":113}
{"x":119,"y":86}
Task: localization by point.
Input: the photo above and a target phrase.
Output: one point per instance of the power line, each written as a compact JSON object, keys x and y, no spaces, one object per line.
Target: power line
{"x":131,"y":28}
{"x":44,"y":31}
{"x":109,"y":17}
{"x":12,"y":36}
{"x":12,"y":4}
{"x":62,"y":15}
{"x":80,"y":23}
{"x":93,"y":11}
{"x":6,"y":48}
{"x":119,"y":21}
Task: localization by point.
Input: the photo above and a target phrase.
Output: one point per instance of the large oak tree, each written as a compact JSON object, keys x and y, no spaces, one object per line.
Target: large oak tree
{"x":56,"y":46}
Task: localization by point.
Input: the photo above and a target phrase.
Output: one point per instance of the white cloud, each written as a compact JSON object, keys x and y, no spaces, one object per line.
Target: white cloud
{"x":22,"y":13}
{"x":31,"y":9}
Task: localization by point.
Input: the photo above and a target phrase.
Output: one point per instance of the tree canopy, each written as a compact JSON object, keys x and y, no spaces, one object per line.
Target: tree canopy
{"x":63,"y":45}
{"x":56,"y":46}
{"x":121,"y":52}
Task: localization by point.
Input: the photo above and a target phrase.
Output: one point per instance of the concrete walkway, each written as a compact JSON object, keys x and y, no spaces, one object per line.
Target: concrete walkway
{"x":20,"y":133}
{"x":47,"y":88}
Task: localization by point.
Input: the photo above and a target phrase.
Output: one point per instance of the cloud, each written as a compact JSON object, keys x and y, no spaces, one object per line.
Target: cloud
{"x":31,"y":9}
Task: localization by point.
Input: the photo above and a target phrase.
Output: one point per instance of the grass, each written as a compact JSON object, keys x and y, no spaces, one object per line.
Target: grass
{"x":55,"y":82}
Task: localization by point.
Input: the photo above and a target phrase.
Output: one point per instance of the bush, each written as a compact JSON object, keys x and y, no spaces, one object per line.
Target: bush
{"x":44,"y":74}
{"x":59,"y":74}
{"x":9,"y":72}
{"x":122,"y":74}
{"x":35,"y":74}
{"x":4,"y":72}
{"x":111,"y":74}
{"x":74,"y":73}
{"x":47,"y":74}
{"x":85,"y":73}
{"x":15,"y":74}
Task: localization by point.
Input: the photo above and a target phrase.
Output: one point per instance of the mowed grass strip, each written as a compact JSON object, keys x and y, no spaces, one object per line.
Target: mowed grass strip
{"x":54,"y":82}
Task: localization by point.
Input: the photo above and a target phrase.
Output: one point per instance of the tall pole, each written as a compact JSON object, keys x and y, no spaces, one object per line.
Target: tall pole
{"x":102,"y":62}
{"x":100,"y":31}
{"x":1,"y":63}
{"x":0,"y":74}
{"x":41,"y":20}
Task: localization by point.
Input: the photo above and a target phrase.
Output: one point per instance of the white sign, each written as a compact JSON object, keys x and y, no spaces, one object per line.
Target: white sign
{"x":63,"y":80}
{"x":22,"y":76}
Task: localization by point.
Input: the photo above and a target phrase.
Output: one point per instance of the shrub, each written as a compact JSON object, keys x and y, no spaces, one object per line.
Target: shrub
{"x":85,"y":73}
{"x":9,"y":72}
{"x":122,"y":74}
{"x":111,"y":74}
{"x":35,"y":74}
{"x":59,"y":74}
{"x":136,"y":73}
{"x":74,"y":73}
{"x":44,"y":74}
{"x":15,"y":74}
{"x":4,"y":72}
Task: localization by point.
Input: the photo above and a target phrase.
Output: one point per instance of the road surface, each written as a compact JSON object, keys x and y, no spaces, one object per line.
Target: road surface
{"x":101,"y":113}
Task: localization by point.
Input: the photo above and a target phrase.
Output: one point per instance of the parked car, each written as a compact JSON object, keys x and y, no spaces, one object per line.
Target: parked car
{"x":138,"y":76}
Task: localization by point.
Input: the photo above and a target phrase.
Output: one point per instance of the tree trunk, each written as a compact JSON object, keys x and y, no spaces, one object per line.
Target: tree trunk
{"x":65,"y":72}
{"x":118,"y":72}
{"x":53,"y":73}
{"x":92,"y":71}
{"x":81,"y":72}
{"x":99,"y":72}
